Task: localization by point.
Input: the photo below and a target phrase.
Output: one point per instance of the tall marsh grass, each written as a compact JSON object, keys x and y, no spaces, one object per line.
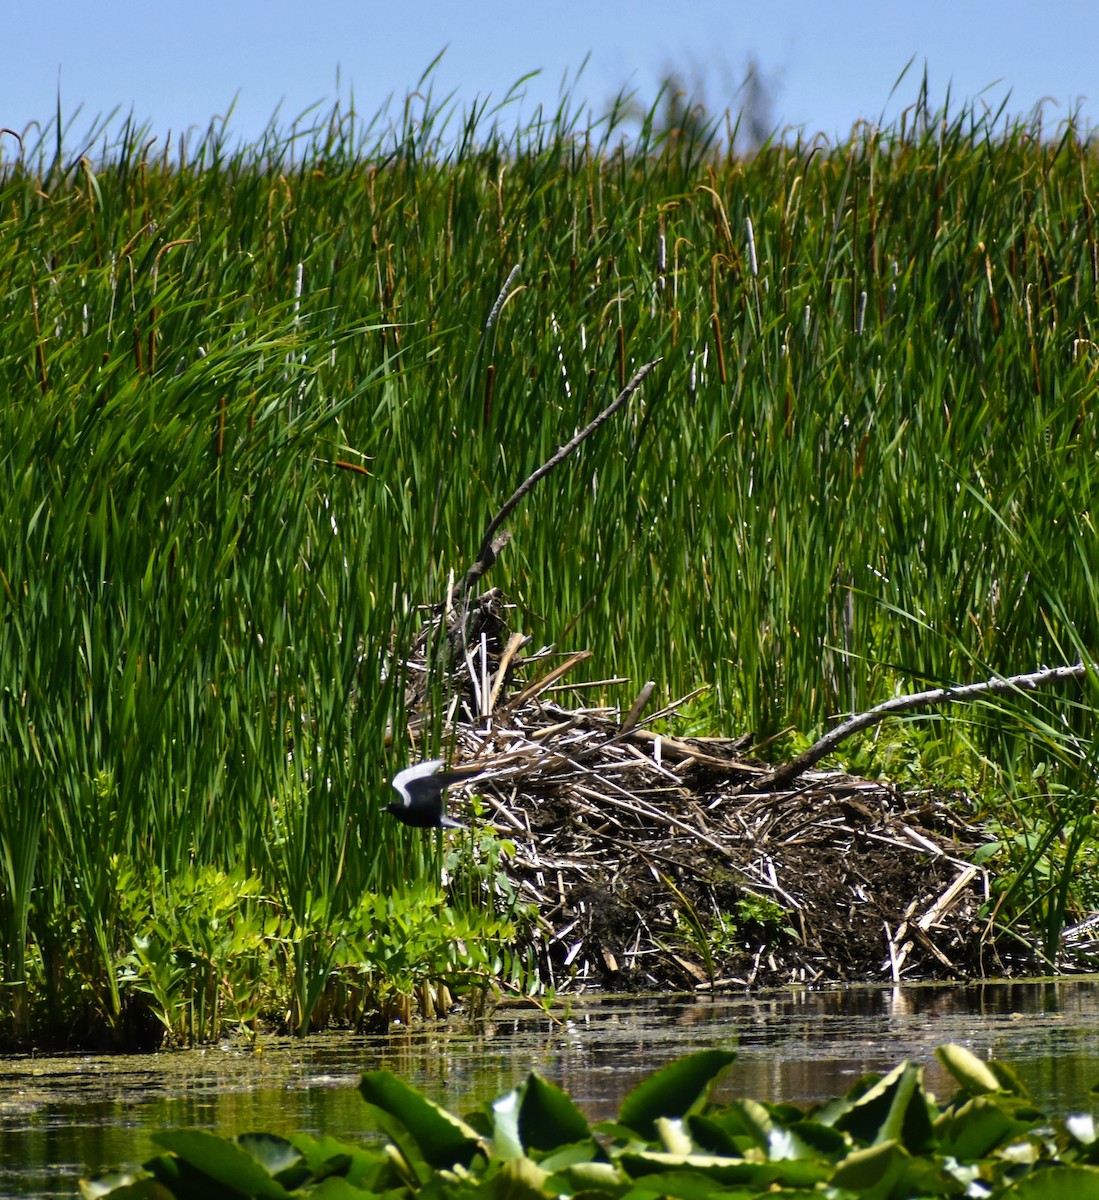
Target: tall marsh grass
{"x":257,"y":403}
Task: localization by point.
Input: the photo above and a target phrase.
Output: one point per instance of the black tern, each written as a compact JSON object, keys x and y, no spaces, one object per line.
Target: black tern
{"x":421,"y":790}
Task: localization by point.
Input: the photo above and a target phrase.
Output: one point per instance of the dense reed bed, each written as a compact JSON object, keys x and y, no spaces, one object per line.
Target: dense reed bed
{"x":257,"y":403}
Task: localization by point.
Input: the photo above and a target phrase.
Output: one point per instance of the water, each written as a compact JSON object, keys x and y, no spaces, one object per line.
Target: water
{"x":63,"y":1117}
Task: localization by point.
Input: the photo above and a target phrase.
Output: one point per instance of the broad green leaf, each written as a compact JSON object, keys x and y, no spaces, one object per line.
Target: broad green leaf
{"x":716,"y":1133}
{"x":686,"y":1185}
{"x":976,"y":1128}
{"x":872,"y":1172}
{"x":222,"y":1160}
{"x":275,"y":1154}
{"x":506,"y":1139}
{"x":755,"y":1119}
{"x":926,"y":1177}
{"x":335,"y":1188}
{"x":1008,"y":1079}
{"x":725,"y":1171}
{"x":338,"y":1165}
{"x":676,"y":1090}
{"x":973,"y":1074}
{"x":403,"y":1156}
{"x":895,"y":1108}
{"x":672,"y":1135}
{"x":548,"y":1118}
{"x":441,"y":1138}
{"x":568,"y":1156}
{"x":786,"y":1144}
{"x":592,"y":1177}
{"x":327,"y":1156}
{"x":519,"y":1179}
{"x":785,"y":1114}
{"x":100,"y":1185}
{"x":123,"y":1186}
{"x":1058,"y":1183}
{"x":169,"y":1170}
{"x":614,"y":1131}
{"x":831,"y":1111}
{"x":821,"y":1140}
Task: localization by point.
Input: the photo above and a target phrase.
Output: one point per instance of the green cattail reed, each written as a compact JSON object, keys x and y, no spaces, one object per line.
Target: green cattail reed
{"x":219,"y":438}
{"x":993,"y":305}
{"x":1034,"y":364}
{"x":490,"y":384}
{"x":719,"y":347}
{"x":620,"y":355}
{"x":1089,"y":213}
{"x":39,"y":348}
{"x":203,"y":640}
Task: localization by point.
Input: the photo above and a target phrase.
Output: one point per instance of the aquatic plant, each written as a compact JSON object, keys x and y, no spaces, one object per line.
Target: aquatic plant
{"x":887,"y":1138}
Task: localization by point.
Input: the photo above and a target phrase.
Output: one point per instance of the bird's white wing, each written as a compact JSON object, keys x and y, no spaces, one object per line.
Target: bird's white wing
{"x":411,"y":775}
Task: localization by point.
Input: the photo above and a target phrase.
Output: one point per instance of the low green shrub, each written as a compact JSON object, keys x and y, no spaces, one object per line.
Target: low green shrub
{"x":207,"y":953}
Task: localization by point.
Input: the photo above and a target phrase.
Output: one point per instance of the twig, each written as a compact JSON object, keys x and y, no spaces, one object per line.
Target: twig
{"x":515,"y":643}
{"x":685,"y":750}
{"x":785,"y":775}
{"x":486,"y":555}
{"x":540,"y":685}
{"x":943,"y":904}
{"x":637,"y":708}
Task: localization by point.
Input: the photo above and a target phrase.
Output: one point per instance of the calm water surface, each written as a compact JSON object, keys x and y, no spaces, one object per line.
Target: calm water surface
{"x":62,"y":1117}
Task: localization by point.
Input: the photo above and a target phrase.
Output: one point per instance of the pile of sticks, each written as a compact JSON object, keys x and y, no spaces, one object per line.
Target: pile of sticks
{"x":659,"y":861}
{"x":665,"y":861}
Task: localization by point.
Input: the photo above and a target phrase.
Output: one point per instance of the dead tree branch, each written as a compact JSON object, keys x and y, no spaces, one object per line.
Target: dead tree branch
{"x":486,"y":555}
{"x":783,"y":776}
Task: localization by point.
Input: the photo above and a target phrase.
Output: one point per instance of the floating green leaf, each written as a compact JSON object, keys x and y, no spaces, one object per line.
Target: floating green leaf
{"x":591,"y":1177}
{"x":548,"y":1117}
{"x":676,"y":1090}
{"x":507,"y":1142}
{"x":971,"y":1072}
{"x":895,"y":1109}
{"x":124,"y":1186}
{"x":223,"y":1162}
{"x":519,"y":1179}
{"x":872,"y":1172}
{"x":976,"y":1128}
{"x":441,"y":1138}
{"x":279,"y":1157}
{"x":1059,"y":1183}
{"x":724,"y":1171}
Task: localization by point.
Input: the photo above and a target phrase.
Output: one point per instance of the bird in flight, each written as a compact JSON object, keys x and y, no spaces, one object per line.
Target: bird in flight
{"x":421,"y":790}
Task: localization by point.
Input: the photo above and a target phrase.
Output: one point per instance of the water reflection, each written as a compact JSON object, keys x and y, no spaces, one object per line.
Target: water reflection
{"x":62,"y":1116}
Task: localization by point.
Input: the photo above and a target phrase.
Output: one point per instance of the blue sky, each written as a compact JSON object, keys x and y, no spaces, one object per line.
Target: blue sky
{"x":829,"y":64}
